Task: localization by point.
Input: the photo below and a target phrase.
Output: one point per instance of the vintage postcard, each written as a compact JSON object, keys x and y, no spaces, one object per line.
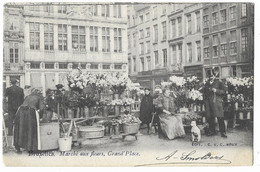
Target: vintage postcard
{"x":128,"y":84}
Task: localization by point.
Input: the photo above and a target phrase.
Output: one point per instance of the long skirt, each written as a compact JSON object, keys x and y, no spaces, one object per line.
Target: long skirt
{"x":26,"y":129}
{"x":172,"y":126}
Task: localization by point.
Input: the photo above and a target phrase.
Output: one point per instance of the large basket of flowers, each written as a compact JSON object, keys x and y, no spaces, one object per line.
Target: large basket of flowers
{"x":131,"y":124}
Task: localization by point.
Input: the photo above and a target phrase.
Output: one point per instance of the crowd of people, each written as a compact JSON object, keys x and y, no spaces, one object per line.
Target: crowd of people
{"x":160,"y":110}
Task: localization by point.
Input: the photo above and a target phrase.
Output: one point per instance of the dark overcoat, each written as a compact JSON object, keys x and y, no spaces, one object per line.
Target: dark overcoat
{"x":146,"y":109}
{"x":214,"y":101}
{"x":15,"y":96}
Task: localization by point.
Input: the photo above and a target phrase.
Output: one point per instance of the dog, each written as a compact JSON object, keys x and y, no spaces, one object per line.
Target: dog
{"x":195,"y":132}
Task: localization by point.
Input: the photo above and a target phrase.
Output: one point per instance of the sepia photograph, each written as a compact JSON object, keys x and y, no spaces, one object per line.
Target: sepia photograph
{"x":128,"y":84}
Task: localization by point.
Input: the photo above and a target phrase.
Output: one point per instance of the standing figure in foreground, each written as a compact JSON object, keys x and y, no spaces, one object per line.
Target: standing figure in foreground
{"x":26,"y":127}
{"x":15,"y":97}
{"x":146,"y":108}
{"x":214,"y":91}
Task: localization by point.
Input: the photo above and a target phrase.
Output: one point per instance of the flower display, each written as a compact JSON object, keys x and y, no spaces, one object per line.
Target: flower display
{"x":195,"y":95}
{"x":126,"y":119}
{"x":238,"y":86}
{"x":122,"y":102}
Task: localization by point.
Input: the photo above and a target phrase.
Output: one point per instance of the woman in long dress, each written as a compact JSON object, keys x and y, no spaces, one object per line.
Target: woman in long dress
{"x":26,"y":127}
{"x":171,"y":124}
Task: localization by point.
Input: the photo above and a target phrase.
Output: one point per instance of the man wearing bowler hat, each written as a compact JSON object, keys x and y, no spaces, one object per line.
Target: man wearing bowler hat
{"x":214,"y":91}
{"x":15,"y":97}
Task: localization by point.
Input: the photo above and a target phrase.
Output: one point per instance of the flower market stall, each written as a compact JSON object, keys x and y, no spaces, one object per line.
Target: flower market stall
{"x":97,"y":105}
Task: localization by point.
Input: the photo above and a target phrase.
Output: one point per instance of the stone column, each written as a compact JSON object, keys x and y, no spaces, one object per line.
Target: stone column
{"x":41,"y":36}
{"x":22,"y":81}
{"x":43,"y":83}
{"x":55,"y":30}
{"x":98,"y":10}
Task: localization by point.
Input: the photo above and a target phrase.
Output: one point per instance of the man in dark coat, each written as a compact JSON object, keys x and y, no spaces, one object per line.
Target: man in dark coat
{"x":146,"y":108}
{"x":214,"y":91}
{"x":15,"y":97}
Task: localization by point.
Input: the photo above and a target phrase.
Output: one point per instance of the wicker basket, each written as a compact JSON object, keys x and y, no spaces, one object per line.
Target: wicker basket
{"x":91,"y":132}
{"x":131,"y":128}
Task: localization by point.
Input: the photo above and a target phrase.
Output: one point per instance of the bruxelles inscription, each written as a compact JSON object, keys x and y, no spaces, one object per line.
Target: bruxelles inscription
{"x":83,"y":153}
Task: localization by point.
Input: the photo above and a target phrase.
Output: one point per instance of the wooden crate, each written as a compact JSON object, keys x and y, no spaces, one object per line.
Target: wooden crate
{"x":49,"y":135}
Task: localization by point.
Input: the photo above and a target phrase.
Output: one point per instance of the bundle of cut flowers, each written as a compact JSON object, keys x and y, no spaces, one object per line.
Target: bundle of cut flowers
{"x":128,"y":119}
{"x":191,"y":116}
{"x":195,"y":96}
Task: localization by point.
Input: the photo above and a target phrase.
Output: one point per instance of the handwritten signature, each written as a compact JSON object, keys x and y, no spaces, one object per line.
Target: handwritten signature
{"x":176,"y":157}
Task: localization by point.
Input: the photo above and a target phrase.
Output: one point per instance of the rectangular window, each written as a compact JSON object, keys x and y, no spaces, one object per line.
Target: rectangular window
{"x":179,"y":26}
{"x":106,"y":66}
{"x":148,"y":32}
{"x":93,"y":34}
{"x":223,"y":16}
{"x":34,"y":36}
{"x":155,"y":27}
{"x":78,"y":38}
{"x":223,"y":50}
{"x":134,"y":63}
{"x":147,"y":16}
{"x":63,"y":66}
{"x":233,"y":35}
{"x":206,"y":21}
{"x":243,"y":10}
{"x":62,"y":37}
{"x":49,"y":65}
{"x":117,"y":40}
{"x":198,"y":48}
{"x":141,"y":34}
{"x":94,"y":66}
{"x":206,"y":41}
{"x":141,"y":19}
{"x":105,"y":11}
{"x":14,"y":53}
{"x":232,"y":11}
{"x":118,"y":66}
{"x":117,"y":11}
{"x":189,"y":52}
{"x":223,"y":37}
{"x":134,"y":41}
{"x":165,"y":60}
{"x":105,"y":39}
{"x":179,"y":53}
{"x":173,"y":31}
{"x":233,"y":47}
{"x":35,"y":65}
{"x":62,"y":9}
{"x":189,"y":24}
{"x":215,"y":51}
{"x":148,"y":49}
{"x":156,"y":58}
{"x":48,"y":36}
{"x":164,"y":30}
{"x":129,"y":41}
{"x":94,"y":10}
{"x":142,"y":64}
{"x":129,"y":65}
{"x":244,"y":39}
{"x":141,"y":48}
{"x":48,"y":9}
{"x":215,"y":40}
{"x":148,"y":59}
{"x":206,"y":52}
{"x":198,"y":22}
{"x":215,"y":18}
